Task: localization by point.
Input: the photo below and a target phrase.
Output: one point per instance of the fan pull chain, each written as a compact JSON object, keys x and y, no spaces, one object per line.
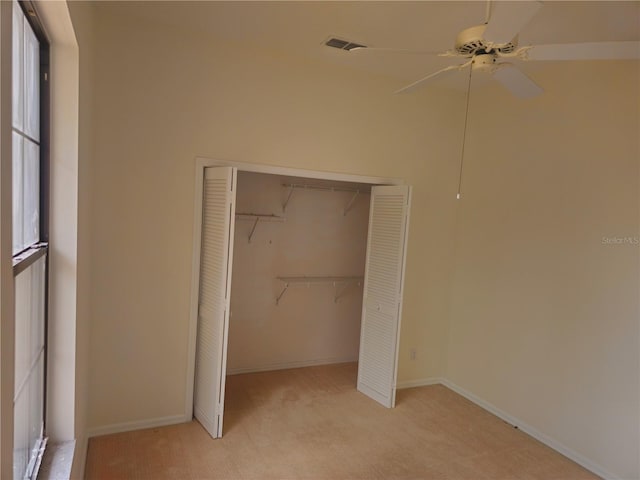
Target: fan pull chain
{"x":464,"y":132}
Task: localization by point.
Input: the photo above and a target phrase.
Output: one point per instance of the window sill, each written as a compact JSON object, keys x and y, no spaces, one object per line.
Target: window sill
{"x":57,"y":461}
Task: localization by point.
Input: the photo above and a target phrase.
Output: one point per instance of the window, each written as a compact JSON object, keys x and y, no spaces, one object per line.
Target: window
{"x":30,"y":247}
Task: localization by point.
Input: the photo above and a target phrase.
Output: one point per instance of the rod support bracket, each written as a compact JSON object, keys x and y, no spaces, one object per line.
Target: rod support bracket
{"x":253,"y":229}
{"x":351,"y":202}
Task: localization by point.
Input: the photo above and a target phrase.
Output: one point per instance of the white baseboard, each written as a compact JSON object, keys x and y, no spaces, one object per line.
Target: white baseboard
{"x":422,"y":382}
{"x":541,"y":437}
{"x":288,"y":365}
{"x":137,"y":425}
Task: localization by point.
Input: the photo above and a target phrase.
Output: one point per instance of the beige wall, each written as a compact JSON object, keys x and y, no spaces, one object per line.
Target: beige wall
{"x":544,"y":316}
{"x":67,"y":396}
{"x":82,"y":18}
{"x":161,"y":98}
{"x":63,"y":231}
{"x":306,"y":327}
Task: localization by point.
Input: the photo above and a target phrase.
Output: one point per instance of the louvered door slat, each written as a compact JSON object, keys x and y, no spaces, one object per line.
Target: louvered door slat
{"x":380,"y":328}
{"x":218,"y":215}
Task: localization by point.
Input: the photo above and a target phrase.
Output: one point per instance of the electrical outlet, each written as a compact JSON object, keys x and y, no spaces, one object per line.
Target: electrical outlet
{"x":412,"y":354}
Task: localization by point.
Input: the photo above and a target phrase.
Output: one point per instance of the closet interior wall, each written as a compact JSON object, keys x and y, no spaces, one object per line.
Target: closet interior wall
{"x":313,"y":237}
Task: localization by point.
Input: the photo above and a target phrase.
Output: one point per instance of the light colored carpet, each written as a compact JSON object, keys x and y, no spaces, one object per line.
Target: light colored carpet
{"x":311,"y":423}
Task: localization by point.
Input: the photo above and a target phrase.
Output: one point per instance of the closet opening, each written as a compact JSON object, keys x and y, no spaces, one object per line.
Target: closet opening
{"x":298,"y":271}
{"x":294,"y":271}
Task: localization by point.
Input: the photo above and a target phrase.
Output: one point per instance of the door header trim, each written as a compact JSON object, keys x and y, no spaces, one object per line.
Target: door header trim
{"x":203,"y":162}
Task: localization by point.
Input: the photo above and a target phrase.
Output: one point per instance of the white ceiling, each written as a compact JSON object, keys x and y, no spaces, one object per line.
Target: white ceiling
{"x":300,"y":28}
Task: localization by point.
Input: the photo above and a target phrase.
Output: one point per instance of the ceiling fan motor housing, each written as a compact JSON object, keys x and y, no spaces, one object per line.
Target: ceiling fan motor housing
{"x":483,"y":62}
{"x":470,"y":42}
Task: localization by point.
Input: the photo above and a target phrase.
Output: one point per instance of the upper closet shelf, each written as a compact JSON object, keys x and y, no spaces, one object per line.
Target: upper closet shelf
{"x":305,"y":186}
{"x":339,"y":282}
{"x":257,"y":217}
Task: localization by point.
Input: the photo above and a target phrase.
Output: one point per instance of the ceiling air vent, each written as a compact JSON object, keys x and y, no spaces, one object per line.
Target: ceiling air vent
{"x":342,"y":44}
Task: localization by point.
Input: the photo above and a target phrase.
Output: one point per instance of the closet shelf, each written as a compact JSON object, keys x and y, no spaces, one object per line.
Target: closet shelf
{"x":340,"y":283}
{"x":305,"y":186}
{"x":257,"y":217}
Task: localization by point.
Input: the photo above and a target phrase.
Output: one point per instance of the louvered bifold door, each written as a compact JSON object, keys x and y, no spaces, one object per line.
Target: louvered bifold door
{"x":382,"y":302}
{"x":218,"y":215}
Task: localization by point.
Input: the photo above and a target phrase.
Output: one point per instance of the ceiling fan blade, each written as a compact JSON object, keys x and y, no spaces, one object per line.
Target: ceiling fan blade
{"x":403,"y":51}
{"x":514,"y":80}
{"x":585,"y":51}
{"x":508,"y":18}
{"x":422,"y":81}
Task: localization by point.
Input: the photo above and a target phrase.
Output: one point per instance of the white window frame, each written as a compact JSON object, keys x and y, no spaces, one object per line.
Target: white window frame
{"x":67,"y":394}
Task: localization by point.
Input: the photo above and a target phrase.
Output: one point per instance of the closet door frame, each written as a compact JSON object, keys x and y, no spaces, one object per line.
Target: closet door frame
{"x":201,"y":163}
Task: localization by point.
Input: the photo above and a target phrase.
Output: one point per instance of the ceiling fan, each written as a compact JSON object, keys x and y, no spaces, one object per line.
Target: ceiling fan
{"x":490,"y":47}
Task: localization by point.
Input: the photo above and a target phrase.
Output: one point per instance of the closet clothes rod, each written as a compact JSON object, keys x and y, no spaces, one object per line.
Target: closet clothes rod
{"x":340,"y":283}
{"x":310,"y":186}
{"x":355,"y":191}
